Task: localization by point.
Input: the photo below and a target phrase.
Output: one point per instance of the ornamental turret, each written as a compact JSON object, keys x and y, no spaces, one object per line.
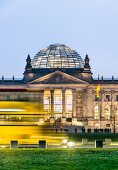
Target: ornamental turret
{"x":28,"y":75}
{"x":87,"y":65}
{"x":87,"y":70}
{"x":28,"y":63}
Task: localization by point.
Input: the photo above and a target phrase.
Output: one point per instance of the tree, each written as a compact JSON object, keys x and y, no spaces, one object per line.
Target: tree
{"x":113,"y":117}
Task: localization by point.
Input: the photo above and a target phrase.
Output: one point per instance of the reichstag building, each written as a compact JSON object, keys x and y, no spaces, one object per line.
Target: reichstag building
{"x":58,"y":86}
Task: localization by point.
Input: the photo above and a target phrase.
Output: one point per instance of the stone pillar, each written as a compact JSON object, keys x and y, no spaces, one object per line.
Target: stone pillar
{"x":112,"y":100}
{"x":52,"y":106}
{"x":84,"y":103}
{"x":102,"y":103}
{"x":40,"y":97}
{"x":113,"y":111}
{"x":63,"y":106}
{"x":74,"y":116}
{"x":89,"y":107}
{"x":89,"y":102}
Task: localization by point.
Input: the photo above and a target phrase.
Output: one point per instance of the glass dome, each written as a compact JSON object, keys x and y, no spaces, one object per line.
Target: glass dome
{"x":57,"y":56}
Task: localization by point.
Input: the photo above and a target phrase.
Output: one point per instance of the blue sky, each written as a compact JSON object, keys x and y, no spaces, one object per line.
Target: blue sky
{"x":88,"y":26}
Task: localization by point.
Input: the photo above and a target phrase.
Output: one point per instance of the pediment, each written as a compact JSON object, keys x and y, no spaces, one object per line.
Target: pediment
{"x":58,"y":77}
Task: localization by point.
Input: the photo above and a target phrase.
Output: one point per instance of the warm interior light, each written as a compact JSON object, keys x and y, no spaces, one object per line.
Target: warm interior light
{"x":70,"y":144}
{"x":65,"y":141}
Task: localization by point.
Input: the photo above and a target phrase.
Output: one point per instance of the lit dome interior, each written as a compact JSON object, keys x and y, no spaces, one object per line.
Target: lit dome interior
{"x":57,"y":56}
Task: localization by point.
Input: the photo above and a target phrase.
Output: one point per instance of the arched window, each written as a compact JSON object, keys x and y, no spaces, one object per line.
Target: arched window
{"x":47,"y":101}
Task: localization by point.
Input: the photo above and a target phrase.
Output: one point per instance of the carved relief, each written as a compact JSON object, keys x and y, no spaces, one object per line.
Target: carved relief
{"x":79,"y":103}
{"x":84,"y":103}
{"x":58,"y":79}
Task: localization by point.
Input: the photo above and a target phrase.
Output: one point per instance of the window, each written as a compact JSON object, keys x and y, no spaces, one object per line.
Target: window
{"x":7,"y":97}
{"x":96,"y":98}
{"x":107,"y":125}
{"x":47,"y":101}
{"x":96,"y":112}
{"x":107,"y":97}
{"x":18,"y":97}
{"x":58,"y":101}
{"x":68,"y":99}
{"x":117,"y":98}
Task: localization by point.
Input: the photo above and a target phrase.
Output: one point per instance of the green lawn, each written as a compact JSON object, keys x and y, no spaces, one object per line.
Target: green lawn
{"x":59,"y":159}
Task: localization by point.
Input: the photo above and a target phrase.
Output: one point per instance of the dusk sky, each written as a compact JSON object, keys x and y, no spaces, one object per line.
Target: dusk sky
{"x":88,"y":26}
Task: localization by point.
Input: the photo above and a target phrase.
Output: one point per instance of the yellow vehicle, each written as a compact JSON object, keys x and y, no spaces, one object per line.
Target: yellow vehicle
{"x":22,"y":121}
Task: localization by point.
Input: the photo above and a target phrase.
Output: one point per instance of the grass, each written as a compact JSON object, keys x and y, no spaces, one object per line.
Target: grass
{"x":59,"y":159}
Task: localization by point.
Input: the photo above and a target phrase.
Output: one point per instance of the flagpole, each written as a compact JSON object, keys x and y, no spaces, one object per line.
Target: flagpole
{"x":98,"y":96}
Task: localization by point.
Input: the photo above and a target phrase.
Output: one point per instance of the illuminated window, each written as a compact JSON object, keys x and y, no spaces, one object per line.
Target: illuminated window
{"x":58,"y":101}
{"x":96,"y":112}
{"x":68,"y":99}
{"x":47,"y":101}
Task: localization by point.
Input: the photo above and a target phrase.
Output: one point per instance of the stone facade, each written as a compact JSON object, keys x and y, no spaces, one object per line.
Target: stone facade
{"x":74,"y":83}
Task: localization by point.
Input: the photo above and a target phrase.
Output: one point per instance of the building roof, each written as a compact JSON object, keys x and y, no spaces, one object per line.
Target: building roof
{"x":57,"y":56}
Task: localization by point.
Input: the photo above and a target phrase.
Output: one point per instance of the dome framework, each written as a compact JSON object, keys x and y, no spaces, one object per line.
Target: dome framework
{"x":57,"y":56}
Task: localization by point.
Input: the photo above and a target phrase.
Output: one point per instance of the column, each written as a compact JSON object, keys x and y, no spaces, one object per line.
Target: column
{"x":112,"y":96}
{"x":101,"y":111}
{"x":40,"y":97}
{"x":63,"y":106}
{"x":89,"y":107}
{"x":112,"y":102}
{"x":84,"y":103}
{"x":52,"y":106}
{"x":102,"y":104}
{"x":113,"y":112}
{"x":74,"y":117}
{"x":89,"y":95}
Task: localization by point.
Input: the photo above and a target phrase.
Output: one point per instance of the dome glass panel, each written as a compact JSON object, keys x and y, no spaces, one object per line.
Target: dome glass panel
{"x":57,"y":56}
